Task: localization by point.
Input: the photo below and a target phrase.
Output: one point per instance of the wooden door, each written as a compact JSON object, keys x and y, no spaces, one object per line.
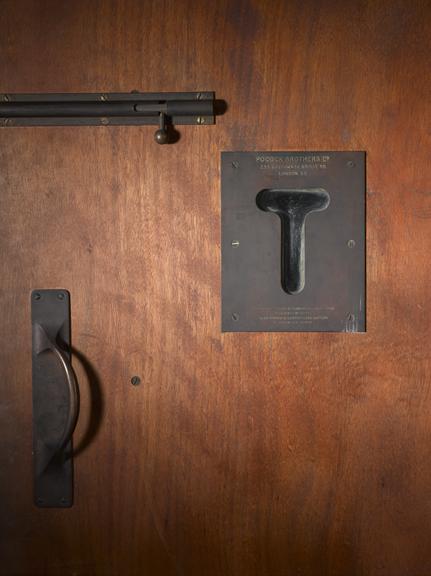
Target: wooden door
{"x":238,"y":454}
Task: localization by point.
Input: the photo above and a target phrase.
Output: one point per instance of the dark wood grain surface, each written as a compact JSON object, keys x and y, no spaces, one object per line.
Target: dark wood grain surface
{"x":239,"y":454}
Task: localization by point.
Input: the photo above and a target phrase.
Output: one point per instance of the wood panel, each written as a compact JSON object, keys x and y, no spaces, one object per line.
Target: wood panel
{"x":239,"y":454}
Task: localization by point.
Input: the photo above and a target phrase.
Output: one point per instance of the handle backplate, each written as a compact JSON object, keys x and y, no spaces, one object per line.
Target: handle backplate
{"x":55,"y":398}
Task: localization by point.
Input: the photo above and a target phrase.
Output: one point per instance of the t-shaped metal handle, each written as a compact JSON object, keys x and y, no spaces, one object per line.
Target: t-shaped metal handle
{"x":293,"y":207}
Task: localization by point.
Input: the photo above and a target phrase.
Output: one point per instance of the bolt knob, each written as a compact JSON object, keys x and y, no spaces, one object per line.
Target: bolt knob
{"x":161,"y":136}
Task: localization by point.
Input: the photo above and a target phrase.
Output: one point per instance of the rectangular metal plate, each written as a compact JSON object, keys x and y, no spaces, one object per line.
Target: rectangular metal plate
{"x":333,"y":299}
{"x":53,"y":484}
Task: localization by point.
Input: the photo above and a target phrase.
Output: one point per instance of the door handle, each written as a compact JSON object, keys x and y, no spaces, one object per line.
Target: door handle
{"x":293,"y":206}
{"x":55,"y":398}
{"x":43,"y":343}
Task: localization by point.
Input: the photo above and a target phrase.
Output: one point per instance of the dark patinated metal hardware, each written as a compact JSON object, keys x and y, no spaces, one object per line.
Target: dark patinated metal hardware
{"x":55,"y":399}
{"x":321,"y":284}
{"x":165,"y":109}
{"x":293,"y":207}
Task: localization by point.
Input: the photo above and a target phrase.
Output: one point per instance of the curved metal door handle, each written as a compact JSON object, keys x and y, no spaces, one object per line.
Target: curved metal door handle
{"x":42,"y":343}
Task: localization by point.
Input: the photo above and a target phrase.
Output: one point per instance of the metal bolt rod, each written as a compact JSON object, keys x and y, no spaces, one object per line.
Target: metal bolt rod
{"x":106,"y":109}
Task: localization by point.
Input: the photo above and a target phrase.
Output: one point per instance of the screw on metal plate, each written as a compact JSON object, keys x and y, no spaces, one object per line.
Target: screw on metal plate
{"x":351,"y":325}
{"x":350,"y":164}
{"x":235,"y":316}
{"x":235,"y":243}
{"x":104,"y":121}
{"x":37,"y":296}
{"x":5,"y":98}
{"x":135,"y":380}
{"x":103,"y":97}
{"x":199,"y":95}
{"x":235,"y":164}
{"x":60,"y":296}
{"x":351,"y":243}
{"x":200,"y":120}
